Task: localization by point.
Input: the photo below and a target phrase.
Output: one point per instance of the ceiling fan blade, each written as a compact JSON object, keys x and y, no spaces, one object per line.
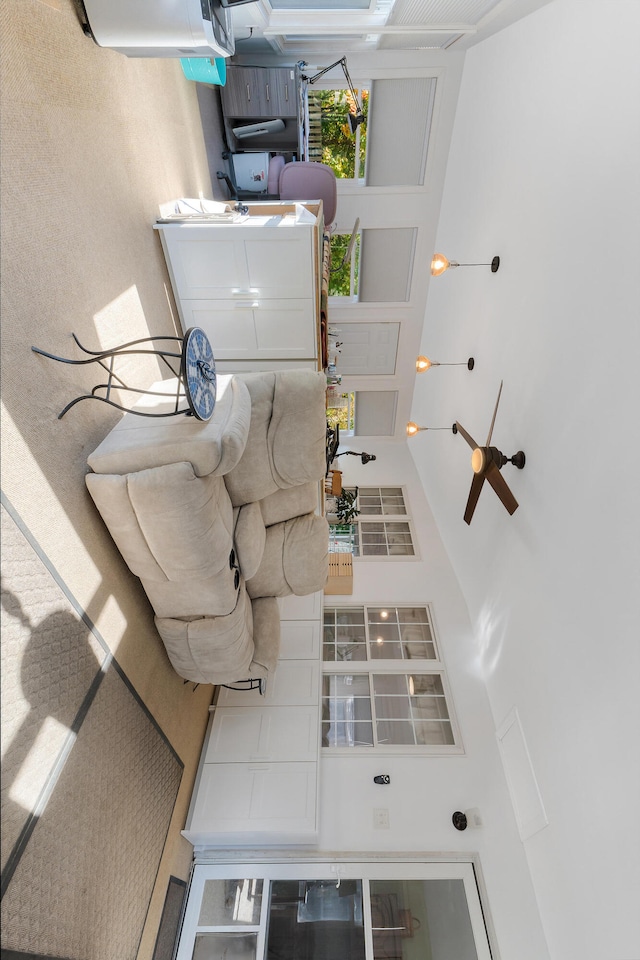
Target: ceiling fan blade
{"x":499,"y":484}
{"x":468,"y":437}
{"x":474,"y":493}
{"x":494,"y":416}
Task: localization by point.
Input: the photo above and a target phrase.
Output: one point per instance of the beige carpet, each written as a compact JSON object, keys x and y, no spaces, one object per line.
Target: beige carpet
{"x":88,"y":780}
{"x":92,"y":143}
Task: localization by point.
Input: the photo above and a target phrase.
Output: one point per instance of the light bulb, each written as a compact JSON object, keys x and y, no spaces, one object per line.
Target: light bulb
{"x":384,"y":614}
{"x":412,"y":428}
{"x":439,"y":264}
{"x":423,"y":363}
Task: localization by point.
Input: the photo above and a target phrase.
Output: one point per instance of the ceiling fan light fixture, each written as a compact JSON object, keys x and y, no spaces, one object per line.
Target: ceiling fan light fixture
{"x":478,"y":460}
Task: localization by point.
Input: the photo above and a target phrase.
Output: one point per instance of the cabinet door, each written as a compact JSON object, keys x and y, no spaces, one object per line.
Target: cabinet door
{"x":299,"y":639}
{"x":234,"y":260}
{"x":205,"y":264}
{"x":293,"y":682}
{"x":254,"y":329}
{"x":281,"y":93}
{"x":301,"y":608}
{"x":243,"y":94}
{"x":264,"y":734}
{"x":277,"y":799}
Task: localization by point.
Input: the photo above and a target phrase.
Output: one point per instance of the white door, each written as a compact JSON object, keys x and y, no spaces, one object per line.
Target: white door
{"x":311,"y":911}
{"x":367,"y":348}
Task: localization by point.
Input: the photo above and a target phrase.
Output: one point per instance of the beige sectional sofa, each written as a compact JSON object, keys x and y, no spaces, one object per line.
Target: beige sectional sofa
{"x":218,"y":519}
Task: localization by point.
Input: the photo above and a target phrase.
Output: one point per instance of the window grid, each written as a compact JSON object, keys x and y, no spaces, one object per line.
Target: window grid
{"x":382,"y":536}
{"x":372,"y":700}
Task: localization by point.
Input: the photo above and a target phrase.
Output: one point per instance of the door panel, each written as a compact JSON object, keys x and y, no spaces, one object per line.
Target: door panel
{"x":367,"y":348}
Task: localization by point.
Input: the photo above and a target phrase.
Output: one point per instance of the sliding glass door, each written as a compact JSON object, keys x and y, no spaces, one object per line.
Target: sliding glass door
{"x":355,"y":911}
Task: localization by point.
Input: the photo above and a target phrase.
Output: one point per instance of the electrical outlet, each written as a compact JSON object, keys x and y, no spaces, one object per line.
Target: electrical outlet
{"x":380,"y":818}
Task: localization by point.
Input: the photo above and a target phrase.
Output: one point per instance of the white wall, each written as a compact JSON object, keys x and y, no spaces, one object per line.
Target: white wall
{"x":544,"y":170}
{"x":425,"y":792}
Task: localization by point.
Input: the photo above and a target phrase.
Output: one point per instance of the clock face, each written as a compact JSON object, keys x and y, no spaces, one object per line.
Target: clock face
{"x":199,"y":373}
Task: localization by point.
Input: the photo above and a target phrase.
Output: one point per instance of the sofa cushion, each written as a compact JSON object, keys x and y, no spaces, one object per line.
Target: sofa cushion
{"x":266,"y":636}
{"x":111,"y":497}
{"x":290,"y":502}
{"x":298,"y":427}
{"x":249,"y":536}
{"x":214,"y":597}
{"x":295,"y":559}
{"x":168,"y":524}
{"x":287,"y":436}
{"x":211,"y":649}
{"x":212,"y":447}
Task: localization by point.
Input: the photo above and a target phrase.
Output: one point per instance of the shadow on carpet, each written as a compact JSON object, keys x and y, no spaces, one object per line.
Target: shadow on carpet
{"x":89,"y":781}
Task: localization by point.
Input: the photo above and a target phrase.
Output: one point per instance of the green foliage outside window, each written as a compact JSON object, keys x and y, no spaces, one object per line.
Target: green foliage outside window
{"x":338,"y":143}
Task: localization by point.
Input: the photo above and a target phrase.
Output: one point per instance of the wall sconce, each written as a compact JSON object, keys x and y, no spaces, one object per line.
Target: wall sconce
{"x":413,"y":428}
{"x":423,"y":364}
{"x":440,"y":263}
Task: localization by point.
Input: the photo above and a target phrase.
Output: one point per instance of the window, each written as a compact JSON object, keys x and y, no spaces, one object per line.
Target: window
{"x":343,"y":282}
{"x":386,"y":686}
{"x":383,"y":537}
{"x":330,"y":138}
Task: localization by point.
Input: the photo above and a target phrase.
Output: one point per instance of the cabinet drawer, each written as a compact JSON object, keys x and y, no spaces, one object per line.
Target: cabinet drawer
{"x":254,"y":329}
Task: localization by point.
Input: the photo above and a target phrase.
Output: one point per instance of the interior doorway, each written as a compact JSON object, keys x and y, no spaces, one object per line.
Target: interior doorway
{"x":320,"y":911}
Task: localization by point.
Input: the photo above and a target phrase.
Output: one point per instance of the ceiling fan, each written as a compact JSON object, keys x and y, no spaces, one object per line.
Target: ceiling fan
{"x":486,"y":462}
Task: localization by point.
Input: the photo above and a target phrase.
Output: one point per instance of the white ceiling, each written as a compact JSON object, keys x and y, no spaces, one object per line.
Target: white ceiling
{"x":543,"y":170}
{"x":311,"y":27}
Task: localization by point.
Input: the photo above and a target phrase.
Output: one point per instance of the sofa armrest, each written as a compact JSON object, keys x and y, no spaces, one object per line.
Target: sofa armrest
{"x":213,"y":447}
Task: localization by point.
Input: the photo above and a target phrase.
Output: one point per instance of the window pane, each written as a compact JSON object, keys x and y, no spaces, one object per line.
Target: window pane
{"x":385,"y":650}
{"x":434,"y":733}
{"x":393,"y":708}
{"x":230,"y":902}
{"x":342,"y":734}
{"x":315,"y":920}
{"x":429,"y":683}
{"x":221,"y":946}
{"x":391,"y":683}
{"x":395,"y":732}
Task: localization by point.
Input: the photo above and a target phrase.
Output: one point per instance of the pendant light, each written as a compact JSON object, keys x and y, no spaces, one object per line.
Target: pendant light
{"x":423,"y":364}
{"x":439,"y":264}
{"x":413,"y":428}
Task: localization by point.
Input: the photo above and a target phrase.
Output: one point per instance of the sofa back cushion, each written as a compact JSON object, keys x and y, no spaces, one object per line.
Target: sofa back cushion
{"x":287,"y":436}
{"x":289,"y":503}
{"x":295,"y":559}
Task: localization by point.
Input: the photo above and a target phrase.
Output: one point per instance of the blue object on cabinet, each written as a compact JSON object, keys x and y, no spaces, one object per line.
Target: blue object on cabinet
{"x":205,"y":70}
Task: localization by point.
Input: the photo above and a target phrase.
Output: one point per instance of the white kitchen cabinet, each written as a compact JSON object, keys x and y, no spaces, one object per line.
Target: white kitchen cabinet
{"x":258,"y":779}
{"x":292,"y":683}
{"x":252,"y":284}
{"x":267,"y":734}
{"x":300,"y":639}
